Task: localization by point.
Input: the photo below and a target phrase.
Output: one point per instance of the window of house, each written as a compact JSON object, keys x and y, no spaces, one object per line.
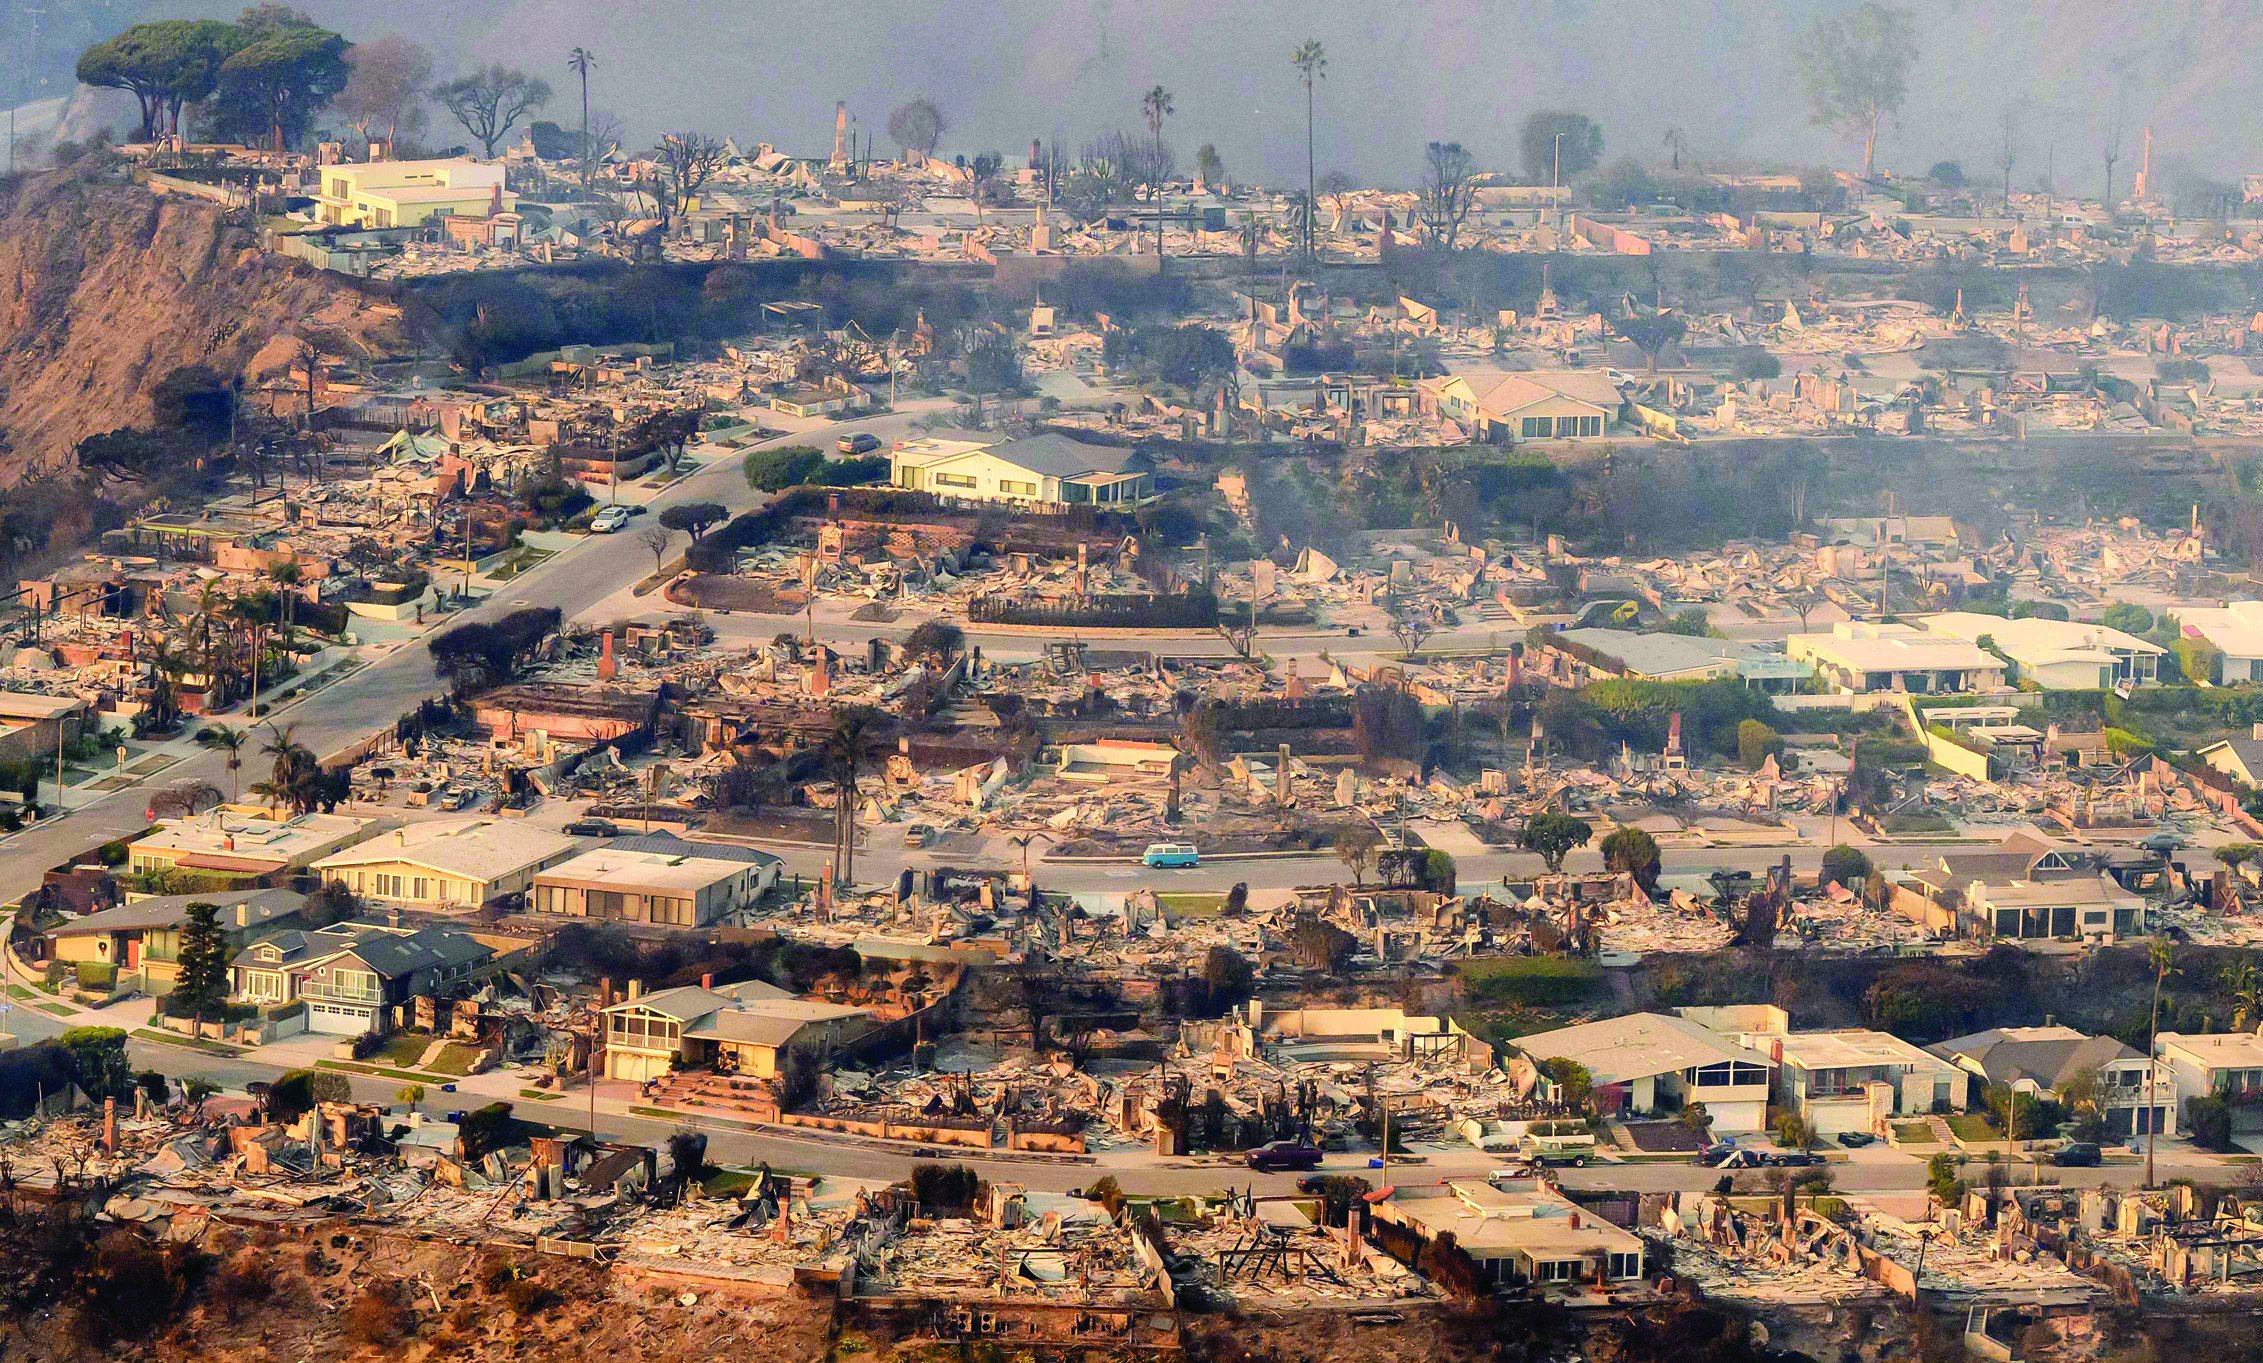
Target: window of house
{"x":1014,"y":487}
{"x":1556,"y":1270}
{"x":1591,"y":425}
{"x":1535,"y":428}
{"x":953,"y":480}
{"x":354,"y":982}
{"x":1626,"y":1265}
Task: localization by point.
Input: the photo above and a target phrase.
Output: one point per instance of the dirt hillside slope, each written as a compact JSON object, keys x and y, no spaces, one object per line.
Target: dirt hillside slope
{"x":106,"y":288}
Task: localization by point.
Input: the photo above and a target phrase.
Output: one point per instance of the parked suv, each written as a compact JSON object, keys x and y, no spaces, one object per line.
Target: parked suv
{"x":863,"y":442}
{"x":1271,"y":1159}
{"x":2078,"y":1155}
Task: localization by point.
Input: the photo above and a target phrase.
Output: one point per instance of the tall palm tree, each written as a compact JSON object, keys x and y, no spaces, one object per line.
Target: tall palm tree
{"x":1312,"y":60}
{"x":208,"y":607}
{"x":579,"y":61}
{"x":286,"y":575}
{"x":1677,"y":142}
{"x":232,"y":741}
{"x":844,"y":752}
{"x":295,"y":778}
{"x":1155,"y":106}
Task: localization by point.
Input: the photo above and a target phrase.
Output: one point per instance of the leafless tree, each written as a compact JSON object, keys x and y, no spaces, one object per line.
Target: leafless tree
{"x":1445,"y":191}
{"x":1410,"y":631}
{"x":386,"y":92}
{"x":657,"y":538}
{"x":489,"y":103}
{"x":687,"y":160}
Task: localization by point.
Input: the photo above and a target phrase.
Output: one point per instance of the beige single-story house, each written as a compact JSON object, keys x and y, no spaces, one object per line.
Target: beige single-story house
{"x":447,"y":864}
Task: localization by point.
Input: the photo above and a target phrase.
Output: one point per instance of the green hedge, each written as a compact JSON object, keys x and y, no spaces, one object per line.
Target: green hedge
{"x":1530,"y":981}
{"x":98,"y":975}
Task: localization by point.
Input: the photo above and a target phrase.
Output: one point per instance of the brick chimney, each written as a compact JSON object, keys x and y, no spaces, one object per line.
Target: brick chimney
{"x":707,"y":981}
{"x":605,"y":664}
{"x":821,"y":677}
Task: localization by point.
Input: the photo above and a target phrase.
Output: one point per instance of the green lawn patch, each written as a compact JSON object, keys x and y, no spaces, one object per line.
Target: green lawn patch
{"x":541,"y":1095}
{"x":1971,"y":1126}
{"x":382,"y":1071}
{"x":1914,"y":1133}
{"x":1529,"y":981}
{"x":403,"y":1048}
{"x":165,"y":1038}
{"x":1191,"y":905}
{"x":455,"y":1060}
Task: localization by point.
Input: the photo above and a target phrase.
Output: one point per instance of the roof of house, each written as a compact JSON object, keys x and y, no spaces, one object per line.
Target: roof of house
{"x":1657,"y":655}
{"x":252,"y":837}
{"x":691,"y":1002}
{"x":476,"y":849}
{"x":1636,"y":1046}
{"x":2037,"y":641}
{"x":2248,"y":751}
{"x":172,"y":910}
{"x":1871,"y":647}
{"x":2236,"y":627}
{"x":668,"y":844}
{"x":670,"y":865}
{"x":1500,"y":393}
{"x":1854,"y":1046}
{"x":2049,"y":1056}
{"x":1491,"y":1222}
{"x":2216,"y":1050}
{"x":1057,"y":456}
{"x":389,"y":951}
{"x":770,"y":1023}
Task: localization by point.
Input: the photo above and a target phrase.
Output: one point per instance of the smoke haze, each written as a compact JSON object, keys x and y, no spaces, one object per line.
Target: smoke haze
{"x":1399,"y":75}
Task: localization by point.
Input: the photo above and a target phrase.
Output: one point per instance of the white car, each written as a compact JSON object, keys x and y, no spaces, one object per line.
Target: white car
{"x":609,"y":520}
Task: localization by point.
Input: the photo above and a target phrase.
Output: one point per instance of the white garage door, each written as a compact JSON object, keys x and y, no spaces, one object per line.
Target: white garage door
{"x":336,"y":1019}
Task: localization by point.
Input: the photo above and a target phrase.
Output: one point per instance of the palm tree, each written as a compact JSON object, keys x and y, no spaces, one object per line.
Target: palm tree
{"x":207,"y":610}
{"x":1155,"y":106}
{"x":2162,"y":958}
{"x":844,"y":750}
{"x":1677,"y":142}
{"x":1023,"y":842}
{"x":286,"y":575}
{"x":579,"y":61}
{"x":295,"y":778}
{"x":2243,"y":985}
{"x":1312,"y":60}
{"x":230,"y":740}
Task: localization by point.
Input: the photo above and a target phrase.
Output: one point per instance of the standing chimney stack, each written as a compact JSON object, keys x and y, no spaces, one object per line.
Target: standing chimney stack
{"x":840,"y":133}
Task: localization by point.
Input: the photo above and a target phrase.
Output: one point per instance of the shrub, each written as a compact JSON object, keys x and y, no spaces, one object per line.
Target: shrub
{"x":950,"y":1187}
{"x":1756,"y":743}
{"x":1846,"y":865}
{"x":112,"y":853}
{"x":101,"y":976}
{"x":380,"y":1316}
{"x":1105,"y":1191}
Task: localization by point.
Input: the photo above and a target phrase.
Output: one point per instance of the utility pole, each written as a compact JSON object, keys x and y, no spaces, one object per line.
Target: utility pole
{"x":1556,"y":188}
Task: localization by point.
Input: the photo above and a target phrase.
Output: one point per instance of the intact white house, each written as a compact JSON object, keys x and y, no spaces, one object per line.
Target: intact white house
{"x":1860,"y":656}
{"x":2236,"y":631}
{"x":1043,"y":470}
{"x":2058,"y":655}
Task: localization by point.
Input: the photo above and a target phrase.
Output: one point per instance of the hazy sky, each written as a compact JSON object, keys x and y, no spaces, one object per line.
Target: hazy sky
{"x":1399,"y":74}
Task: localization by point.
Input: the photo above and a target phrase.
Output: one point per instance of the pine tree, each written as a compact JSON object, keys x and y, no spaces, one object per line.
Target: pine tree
{"x":201,"y":987}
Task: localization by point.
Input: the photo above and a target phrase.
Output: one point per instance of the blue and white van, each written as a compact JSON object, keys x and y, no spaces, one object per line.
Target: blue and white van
{"x":1165,"y":854}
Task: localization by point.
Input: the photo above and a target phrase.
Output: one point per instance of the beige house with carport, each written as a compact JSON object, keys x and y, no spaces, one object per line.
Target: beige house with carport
{"x":659,"y":879}
{"x":449,"y":864}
